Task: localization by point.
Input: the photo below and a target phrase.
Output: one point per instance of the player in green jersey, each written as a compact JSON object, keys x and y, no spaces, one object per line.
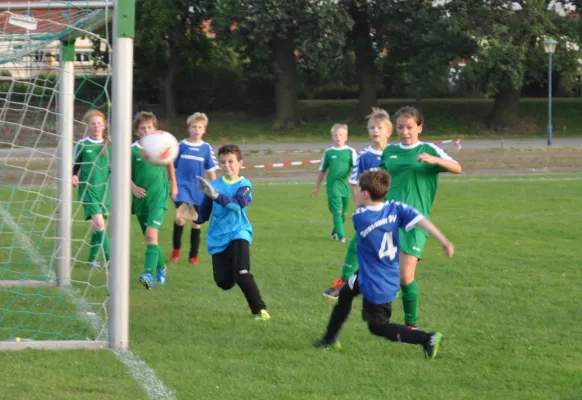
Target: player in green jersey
{"x":414,"y":167}
{"x":380,"y":130}
{"x":151,"y":185}
{"x":91,"y":176}
{"x":337,"y":162}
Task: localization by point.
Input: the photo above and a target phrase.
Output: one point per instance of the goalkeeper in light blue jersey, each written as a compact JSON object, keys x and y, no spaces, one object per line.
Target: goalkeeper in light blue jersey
{"x":377,"y":225}
{"x":230,"y":233}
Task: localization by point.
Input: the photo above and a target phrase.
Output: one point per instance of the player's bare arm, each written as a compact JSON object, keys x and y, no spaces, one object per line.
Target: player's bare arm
{"x":138,"y":192}
{"x":320,"y":177}
{"x":448,"y":247}
{"x":173,"y":183}
{"x":451,"y":166}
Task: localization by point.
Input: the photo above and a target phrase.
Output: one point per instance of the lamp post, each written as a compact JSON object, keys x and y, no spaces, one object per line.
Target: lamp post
{"x":550,"y":48}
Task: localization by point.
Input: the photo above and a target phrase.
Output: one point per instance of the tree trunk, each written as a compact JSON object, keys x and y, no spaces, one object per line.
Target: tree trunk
{"x":505,"y":112}
{"x":284,"y":66}
{"x":365,"y":65}
{"x":169,"y":98}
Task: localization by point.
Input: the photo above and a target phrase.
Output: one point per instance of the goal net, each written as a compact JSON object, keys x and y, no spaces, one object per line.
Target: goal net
{"x":54,"y":67}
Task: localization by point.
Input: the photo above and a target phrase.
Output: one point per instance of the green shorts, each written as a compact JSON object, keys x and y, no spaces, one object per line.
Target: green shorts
{"x":95,"y":201}
{"x":153,"y":219}
{"x":94,"y":209}
{"x":412,"y":242}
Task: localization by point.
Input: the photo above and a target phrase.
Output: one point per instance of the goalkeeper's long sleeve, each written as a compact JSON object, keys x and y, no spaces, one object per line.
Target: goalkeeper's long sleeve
{"x":204,"y":210}
{"x":242,"y":198}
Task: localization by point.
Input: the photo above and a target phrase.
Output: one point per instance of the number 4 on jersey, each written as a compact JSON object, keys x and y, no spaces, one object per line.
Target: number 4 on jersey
{"x":387,"y":248}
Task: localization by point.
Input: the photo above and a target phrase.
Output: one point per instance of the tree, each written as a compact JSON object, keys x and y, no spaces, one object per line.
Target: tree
{"x":170,"y":33}
{"x":275,"y":29}
{"x":423,"y":40}
{"x":510,"y":34}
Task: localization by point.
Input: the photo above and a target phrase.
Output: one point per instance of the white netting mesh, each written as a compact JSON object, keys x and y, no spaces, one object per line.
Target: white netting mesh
{"x":30,"y":83}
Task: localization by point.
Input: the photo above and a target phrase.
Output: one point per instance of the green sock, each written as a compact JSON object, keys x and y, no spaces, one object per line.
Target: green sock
{"x":338,"y":225}
{"x":106,"y":245}
{"x":151,"y":258}
{"x":351,"y":260}
{"x":410,"y":303}
{"x":95,"y":245}
{"x":161,"y":261}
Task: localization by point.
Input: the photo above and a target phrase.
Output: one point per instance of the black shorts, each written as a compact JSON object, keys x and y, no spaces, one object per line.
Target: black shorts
{"x":375,"y":314}
{"x":235,"y":259}
{"x":179,"y":203}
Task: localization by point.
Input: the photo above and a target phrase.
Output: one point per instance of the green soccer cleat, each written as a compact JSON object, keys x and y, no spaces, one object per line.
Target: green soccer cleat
{"x":431,"y":348}
{"x":263,"y":316}
{"x":327,"y":344}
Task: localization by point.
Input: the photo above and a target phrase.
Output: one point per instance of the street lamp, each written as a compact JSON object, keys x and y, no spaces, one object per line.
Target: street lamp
{"x":550,"y":48}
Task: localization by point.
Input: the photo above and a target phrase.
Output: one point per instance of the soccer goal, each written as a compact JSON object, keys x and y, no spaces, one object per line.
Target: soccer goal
{"x":58,"y":59}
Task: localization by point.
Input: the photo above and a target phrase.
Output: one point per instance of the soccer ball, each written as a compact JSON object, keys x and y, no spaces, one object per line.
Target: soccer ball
{"x":159,"y":148}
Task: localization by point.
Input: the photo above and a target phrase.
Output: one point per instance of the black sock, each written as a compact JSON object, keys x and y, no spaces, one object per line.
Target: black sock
{"x":399,"y":333}
{"x":246,"y":282}
{"x":194,"y":242}
{"x":177,"y":238}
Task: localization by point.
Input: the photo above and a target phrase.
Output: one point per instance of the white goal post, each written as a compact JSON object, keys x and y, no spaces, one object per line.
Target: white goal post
{"x":103,"y":322}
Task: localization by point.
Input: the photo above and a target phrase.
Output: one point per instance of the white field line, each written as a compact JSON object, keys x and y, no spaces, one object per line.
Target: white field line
{"x":139,"y":370}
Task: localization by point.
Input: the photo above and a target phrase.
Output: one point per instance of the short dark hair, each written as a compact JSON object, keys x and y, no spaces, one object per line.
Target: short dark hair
{"x":376,"y":183}
{"x":144,"y":116}
{"x":230,"y":149}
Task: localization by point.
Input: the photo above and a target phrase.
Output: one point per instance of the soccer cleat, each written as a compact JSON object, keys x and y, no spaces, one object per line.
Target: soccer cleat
{"x":147,"y":280}
{"x":431,"y":348}
{"x":161,"y":275}
{"x":328,"y":344}
{"x":263,"y":316}
{"x":333,"y":291}
{"x":95,"y":265}
{"x":194,"y":260}
{"x":343,"y":240}
{"x":412,"y":327}
{"x":334,"y":236}
{"x":175,"y":256}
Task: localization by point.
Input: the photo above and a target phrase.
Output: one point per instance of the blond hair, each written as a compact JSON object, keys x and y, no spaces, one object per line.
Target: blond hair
{"x":379,"y":115}
{"x":144,"y":116}
{"x":335,"y":127}
{"x":197,"y":117}
{"x":96,"y":113}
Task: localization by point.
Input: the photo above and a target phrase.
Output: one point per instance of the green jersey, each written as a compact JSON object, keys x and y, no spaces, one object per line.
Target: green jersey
{"x":94,"y":168}
{"x":94,"y":163}
{"x":338,"y":162}
{"x":153,"y":179}
{"x":413,"y":183}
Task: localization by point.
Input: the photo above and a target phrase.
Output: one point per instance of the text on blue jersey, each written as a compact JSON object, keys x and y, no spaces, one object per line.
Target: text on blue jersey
{"x":378,"y":247}
{"x":194,"y":159}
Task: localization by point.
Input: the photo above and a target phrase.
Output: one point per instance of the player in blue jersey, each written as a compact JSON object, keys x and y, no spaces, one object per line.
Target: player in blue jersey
{"x":230,"y":233}
{"x":380,"y":130}
{"x":195,"y":158}
{"x":377,"y":224}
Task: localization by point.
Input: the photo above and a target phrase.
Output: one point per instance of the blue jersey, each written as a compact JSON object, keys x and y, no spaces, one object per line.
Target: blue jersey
{"x":229,"y":214}
{"x":368,"y":160}
{"x":378,"y":248}
{"x":194,"y":159}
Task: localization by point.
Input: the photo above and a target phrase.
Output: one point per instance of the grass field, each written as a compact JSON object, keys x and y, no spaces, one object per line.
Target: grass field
{"x":507,"y":305}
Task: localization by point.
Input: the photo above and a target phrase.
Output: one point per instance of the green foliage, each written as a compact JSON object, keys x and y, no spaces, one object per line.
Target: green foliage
{"x":423,"y":40}
{"x":511,"y":43}
{"x":169,"y":31}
